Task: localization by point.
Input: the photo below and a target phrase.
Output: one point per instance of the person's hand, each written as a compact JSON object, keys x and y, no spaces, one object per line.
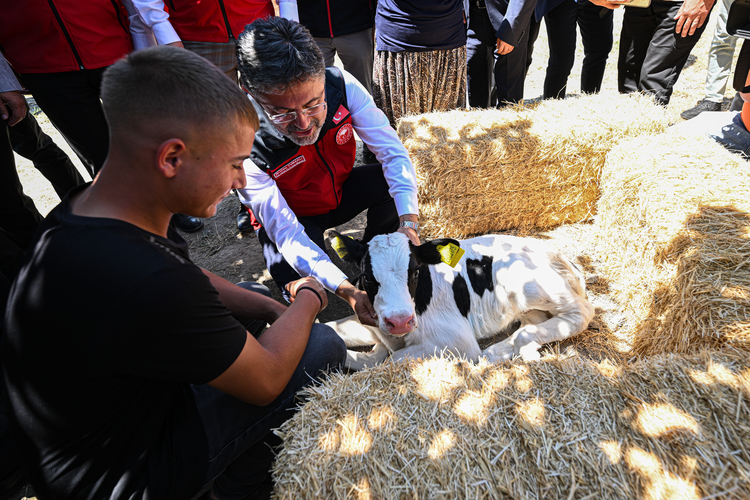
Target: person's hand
{"x":411,"y":234}
{"x":309,"y":282}
{"x":504,"y":48}
{"x":609,"y":5}
{"x":12,"y":106}
{"x":691,"y":16}
{"x":360,"y":303}
{"x":178,"y":43}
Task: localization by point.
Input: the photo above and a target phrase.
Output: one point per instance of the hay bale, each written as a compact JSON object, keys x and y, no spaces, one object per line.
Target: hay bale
{"x":668,"y":427}
{"x":675,"y":242}
{"x":520,"y":167}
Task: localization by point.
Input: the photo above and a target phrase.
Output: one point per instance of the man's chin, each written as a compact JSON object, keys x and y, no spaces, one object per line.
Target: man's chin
{"x":304,"y":140}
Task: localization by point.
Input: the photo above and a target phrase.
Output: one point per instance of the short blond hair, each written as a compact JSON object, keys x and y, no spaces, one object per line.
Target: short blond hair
{"x":171,"y":83}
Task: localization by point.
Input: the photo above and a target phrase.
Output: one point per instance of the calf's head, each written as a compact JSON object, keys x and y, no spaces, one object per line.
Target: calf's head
{"x":395,"y":276}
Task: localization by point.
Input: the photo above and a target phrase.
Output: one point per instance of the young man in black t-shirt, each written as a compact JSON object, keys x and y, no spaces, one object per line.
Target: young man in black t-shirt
{"x":130,"y":371}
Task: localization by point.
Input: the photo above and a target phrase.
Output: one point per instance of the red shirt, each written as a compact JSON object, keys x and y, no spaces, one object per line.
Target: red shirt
{"x":215,"y":20}
{"x":52,"y":36}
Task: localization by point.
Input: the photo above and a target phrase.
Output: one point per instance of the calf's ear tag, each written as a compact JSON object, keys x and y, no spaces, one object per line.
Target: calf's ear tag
{"x":450,"y":254}
{"x":337,"y":243}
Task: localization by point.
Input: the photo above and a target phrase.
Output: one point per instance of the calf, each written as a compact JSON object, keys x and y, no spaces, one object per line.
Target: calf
{"x":424,"y":304}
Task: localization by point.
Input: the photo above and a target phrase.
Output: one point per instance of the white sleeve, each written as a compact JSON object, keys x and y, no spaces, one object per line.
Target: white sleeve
{"x":288,"y":10}
{"x":373,"y":128}
{"x":141,"y":34}
{"x":8,"y":80}
{"x":263,"y":197}
{"x":151,"y":14}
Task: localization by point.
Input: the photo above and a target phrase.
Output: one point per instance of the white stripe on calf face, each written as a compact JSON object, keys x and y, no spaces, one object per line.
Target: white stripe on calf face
{"x":389,"y":257}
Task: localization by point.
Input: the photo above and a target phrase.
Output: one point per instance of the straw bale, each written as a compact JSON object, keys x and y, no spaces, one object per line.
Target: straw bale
{"x":664,"y":428}
{"x":519,"y":167}
{"x":675,"y":242}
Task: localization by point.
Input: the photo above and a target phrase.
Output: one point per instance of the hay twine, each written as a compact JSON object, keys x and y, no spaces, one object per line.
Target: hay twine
{"x":664,"y":428}
{"x":519,"y":167}
{"x":674,"y":240}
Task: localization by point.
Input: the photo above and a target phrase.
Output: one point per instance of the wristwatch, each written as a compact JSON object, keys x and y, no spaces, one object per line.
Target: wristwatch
{"x":410,"y":224}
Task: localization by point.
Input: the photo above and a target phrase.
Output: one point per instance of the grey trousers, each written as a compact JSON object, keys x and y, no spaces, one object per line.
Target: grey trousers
{"x":356,"y":51}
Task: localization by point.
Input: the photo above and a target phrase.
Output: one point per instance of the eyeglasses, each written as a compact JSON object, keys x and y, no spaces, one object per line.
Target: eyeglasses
{"x":292,"y":115}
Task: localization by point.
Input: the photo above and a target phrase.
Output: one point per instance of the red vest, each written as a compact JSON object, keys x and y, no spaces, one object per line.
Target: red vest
{"x":52,"y":36}
{"x":311,"y":177}
{"x":208,"y":20}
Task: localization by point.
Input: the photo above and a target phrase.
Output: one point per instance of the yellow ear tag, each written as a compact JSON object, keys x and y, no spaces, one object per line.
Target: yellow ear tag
{"x":450,"y":253}
{"x":338,"y":246}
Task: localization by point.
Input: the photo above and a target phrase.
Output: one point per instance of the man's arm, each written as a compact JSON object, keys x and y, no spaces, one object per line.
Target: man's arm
{"x":151,"y":13}
{"x":510,"y":21}
{"x":265,"y":366}
{"x":373,"y":128}
{"x":12,"y":103}
{"x":244,"y":303}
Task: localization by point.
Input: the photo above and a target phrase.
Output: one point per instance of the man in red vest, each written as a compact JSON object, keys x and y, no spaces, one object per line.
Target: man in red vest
{"x":303,"y":181}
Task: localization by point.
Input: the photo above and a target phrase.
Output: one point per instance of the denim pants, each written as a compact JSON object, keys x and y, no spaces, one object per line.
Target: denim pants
{"x":720,"y":56}
{"x":596,"y":25}
{"x":239,"y":434}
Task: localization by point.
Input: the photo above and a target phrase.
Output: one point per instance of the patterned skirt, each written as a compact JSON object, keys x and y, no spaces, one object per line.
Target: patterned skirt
{"x":408,"y":83}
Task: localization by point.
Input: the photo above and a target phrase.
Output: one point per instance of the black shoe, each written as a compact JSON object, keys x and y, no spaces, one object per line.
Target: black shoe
{"x":187,"y":223}
{"x":737,"y":103}
{"x":244,"y":223}
{"x":703,"y":105}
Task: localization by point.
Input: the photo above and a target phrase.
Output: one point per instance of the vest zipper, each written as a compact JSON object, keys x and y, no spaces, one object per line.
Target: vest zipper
{"x":65,"y":33}
{"x":226,"y":19}
{"x":330,"y":173}
{"x":330,"y":24}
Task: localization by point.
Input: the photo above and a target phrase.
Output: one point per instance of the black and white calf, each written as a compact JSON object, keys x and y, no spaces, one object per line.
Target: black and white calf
{"x":423,"y":304}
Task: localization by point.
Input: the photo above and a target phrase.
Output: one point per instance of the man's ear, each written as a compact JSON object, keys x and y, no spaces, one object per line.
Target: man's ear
{"x":170,"y":155}
{"x":436,"y":251}
{"x":348,"y":249}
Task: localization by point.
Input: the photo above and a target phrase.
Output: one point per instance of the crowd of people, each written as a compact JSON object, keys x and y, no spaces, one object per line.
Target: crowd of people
{"x":128,"y":371}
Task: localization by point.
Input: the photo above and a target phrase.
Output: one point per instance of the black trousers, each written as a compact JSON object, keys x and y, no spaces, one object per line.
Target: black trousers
{"x":19,"y":218}
{"x":31,"y":142}
{"x":652,"y":54}
{"x":365,"y":189}
{"x":596,"y":25}
{"x":71,"y":102}
{"x":493,"y":79}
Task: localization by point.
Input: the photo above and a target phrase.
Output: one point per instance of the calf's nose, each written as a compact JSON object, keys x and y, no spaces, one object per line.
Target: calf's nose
{"x":398,"y":325}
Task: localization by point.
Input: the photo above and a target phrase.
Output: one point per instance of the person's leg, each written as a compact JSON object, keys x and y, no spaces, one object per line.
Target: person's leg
{"x":510,"y":74}
{"x":326,"y":47}
{"x":71,"y":102}
{"x":238,"y":433}
{"x":720,"y":55}
{"x":596,"y":25}
{"x":667,"y":53}
{"x":561,"y":38}
{"x":638,"y":25}
{"x":19,"y":218}
{"x":479,"y":56}
{"x":357,"y":53}
{"x":31,"y":142}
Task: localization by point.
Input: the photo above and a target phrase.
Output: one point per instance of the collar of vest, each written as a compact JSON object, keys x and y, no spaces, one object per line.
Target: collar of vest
{"x":335,"y":97}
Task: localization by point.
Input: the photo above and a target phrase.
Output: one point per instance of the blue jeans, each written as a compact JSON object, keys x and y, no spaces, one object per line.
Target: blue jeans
{"x":239,"y":434}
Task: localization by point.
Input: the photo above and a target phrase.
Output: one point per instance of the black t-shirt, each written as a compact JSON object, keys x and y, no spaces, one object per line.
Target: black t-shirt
{"x":107,"y":325}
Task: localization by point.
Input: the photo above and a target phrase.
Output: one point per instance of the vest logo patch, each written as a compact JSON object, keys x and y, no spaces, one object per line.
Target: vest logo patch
{"x":341,"y":113}
{"x":290,"y":165}
{"x":344,"y":134}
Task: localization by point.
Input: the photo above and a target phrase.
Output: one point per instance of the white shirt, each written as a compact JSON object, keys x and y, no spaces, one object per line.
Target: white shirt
{"x":263,"y":197}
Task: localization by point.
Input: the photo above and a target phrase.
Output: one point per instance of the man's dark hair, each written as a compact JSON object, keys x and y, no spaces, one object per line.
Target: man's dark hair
{"x":173,"y":83}
{"x":274,"y":54}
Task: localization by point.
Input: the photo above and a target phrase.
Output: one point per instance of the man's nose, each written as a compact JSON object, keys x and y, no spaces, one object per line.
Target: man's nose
{"x":241,"y":180}
{"x":302,"y":121}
